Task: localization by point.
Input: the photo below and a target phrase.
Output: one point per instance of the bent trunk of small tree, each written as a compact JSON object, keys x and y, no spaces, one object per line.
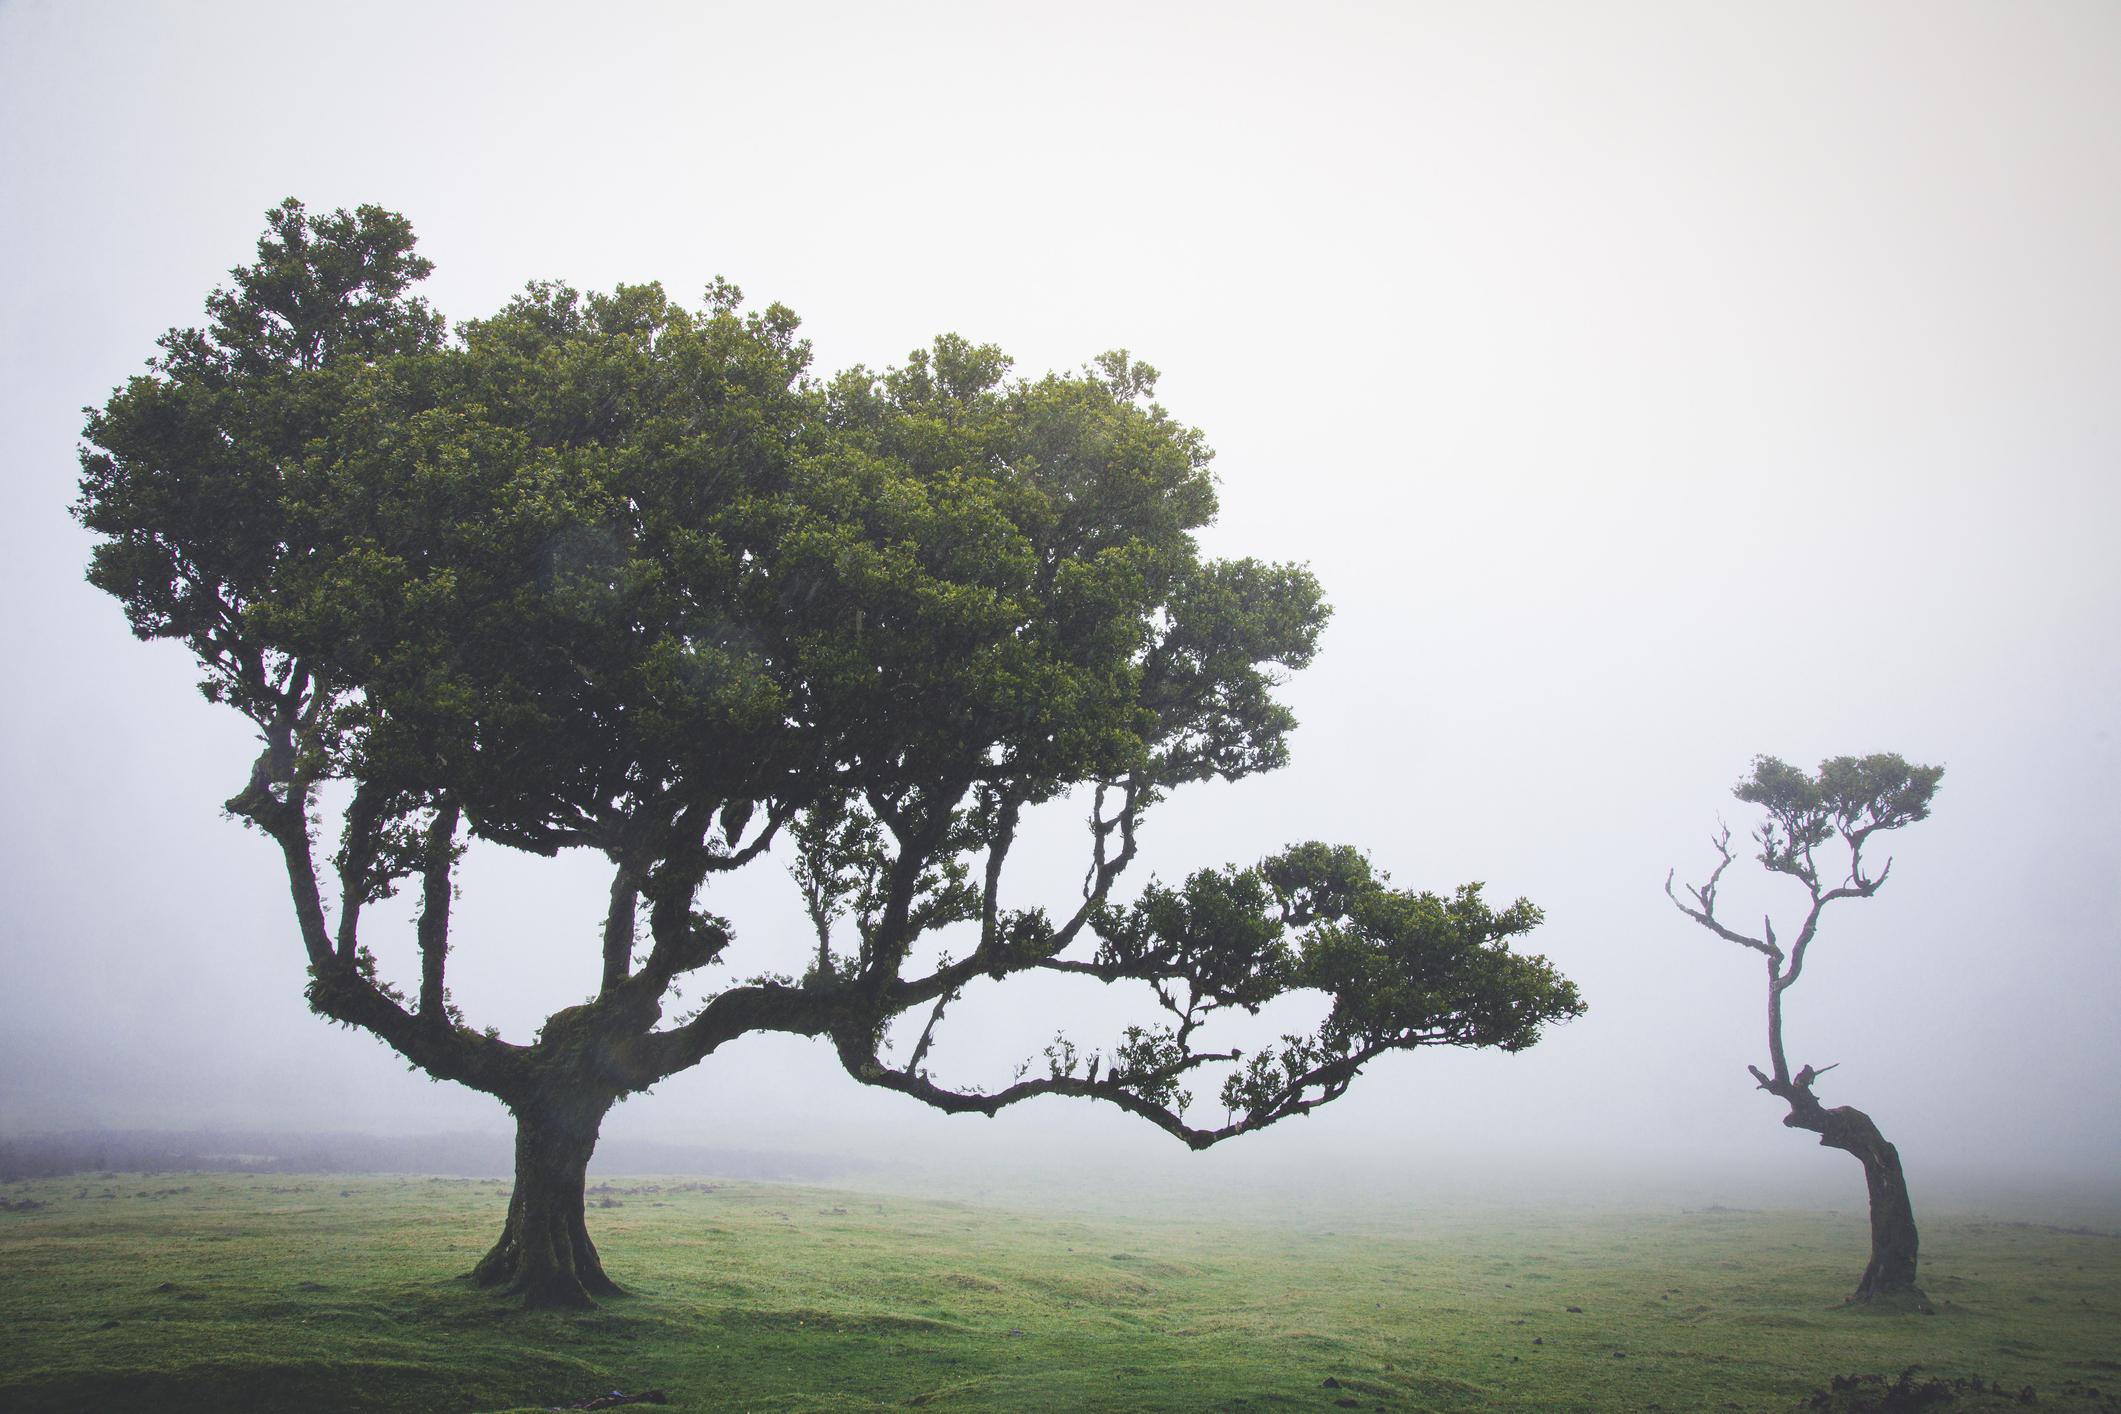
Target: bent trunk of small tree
{"x":1893,"y":1241}
{"x":544,"y":1254}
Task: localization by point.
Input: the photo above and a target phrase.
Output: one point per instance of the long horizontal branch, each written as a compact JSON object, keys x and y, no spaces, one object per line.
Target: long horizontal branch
{"x":1123,"y":1089}
{"x":870,"y":1071}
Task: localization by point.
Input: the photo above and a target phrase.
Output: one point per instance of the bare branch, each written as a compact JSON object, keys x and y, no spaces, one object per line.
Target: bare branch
{"x":1704,"y":909}
{"x":619,"y":918}
{"x":357,"y":861}
{"x":1123,"y":1088}
{"x":997,"y":852}
{"x":1774,"y":1022}
{"x":920,"y":1049}
{"x":437,"y":862}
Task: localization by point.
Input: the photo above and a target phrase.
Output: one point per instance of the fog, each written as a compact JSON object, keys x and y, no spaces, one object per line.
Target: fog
{"x":1651,"y":386}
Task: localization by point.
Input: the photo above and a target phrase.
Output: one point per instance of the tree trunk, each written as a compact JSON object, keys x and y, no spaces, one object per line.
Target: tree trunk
{"x":544,"y":1254}
{"x":1893,"y":1241}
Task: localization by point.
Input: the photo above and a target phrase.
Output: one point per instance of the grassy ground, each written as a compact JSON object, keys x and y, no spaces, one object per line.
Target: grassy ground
{"x":226,"y":1292}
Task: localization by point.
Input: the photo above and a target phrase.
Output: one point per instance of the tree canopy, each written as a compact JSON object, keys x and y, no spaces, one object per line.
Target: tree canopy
{"x":602,"y":572}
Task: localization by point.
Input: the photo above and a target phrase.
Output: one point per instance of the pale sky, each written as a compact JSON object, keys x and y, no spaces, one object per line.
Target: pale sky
{"x":1651,"y":386}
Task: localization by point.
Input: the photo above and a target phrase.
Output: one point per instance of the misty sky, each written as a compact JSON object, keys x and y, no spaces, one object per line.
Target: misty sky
{"x":1651,"y":386}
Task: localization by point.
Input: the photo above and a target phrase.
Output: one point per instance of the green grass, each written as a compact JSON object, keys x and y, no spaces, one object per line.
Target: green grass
{"x":226,"y":1292}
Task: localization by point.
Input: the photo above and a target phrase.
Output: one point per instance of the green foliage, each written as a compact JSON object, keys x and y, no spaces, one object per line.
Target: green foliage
{"x":1403,"y":969}
{"x":1851,"y":796}
{"x":603,"y":571}
{"x":603,"y":545}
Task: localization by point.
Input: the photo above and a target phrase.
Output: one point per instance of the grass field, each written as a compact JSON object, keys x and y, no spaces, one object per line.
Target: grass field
{"x":234,"y":1293}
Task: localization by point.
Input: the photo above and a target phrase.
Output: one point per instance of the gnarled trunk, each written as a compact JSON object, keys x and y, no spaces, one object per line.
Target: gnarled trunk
{"x":1891,"y":1271}
{"x":544,"y":1254}
{"x":1893,"y":1239}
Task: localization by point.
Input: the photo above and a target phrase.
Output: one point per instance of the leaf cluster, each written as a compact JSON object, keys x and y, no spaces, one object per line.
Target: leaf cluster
{"x":605,"y":571}
{"x":1850,"y":796}
{"x":1401,"y":968}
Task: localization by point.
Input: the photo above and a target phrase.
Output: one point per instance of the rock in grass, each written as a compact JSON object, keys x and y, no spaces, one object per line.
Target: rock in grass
{"x":616,"y":1398}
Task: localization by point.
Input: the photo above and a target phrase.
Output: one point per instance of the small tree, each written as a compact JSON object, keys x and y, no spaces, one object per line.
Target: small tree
{"x":602,"y":573}
{"x":1849,"y":800}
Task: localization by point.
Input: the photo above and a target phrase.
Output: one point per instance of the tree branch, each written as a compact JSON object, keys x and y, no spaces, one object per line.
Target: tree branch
{"x":776,"y":816}
{"x":437,"y":867}
{"x":1704,"y":911}
{"x":276,"y":800}
{"x":919,"y":836}
{"x":770,"y":1006}
{"x":997,"y":851}
{"x":618,"y":927}
{"x":920,"y":1048}
{"x":357,"y":860}
{"x":1848,"y":798}
{"x":1774,"y":1024}
{"x":1117,"y":1087}
{"x":989,"y":958}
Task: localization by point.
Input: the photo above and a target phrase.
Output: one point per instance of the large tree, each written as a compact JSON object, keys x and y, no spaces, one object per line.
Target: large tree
{"x":1850,"y":800}
{"x":604,"y":573}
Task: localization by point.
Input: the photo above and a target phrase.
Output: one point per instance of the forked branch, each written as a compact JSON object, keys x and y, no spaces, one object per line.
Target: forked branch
{"x":1849,"y":799}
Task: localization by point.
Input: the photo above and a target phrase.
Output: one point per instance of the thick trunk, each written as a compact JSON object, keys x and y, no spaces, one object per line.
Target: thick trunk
{"x":1893,"y":1240}
{"x":1891,"y":1272}
{"x":544,"y":1254}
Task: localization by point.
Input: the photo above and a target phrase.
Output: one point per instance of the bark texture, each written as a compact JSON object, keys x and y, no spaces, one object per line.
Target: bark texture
{"x":544,"y":1254}
{"x":1894,"y":1243}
